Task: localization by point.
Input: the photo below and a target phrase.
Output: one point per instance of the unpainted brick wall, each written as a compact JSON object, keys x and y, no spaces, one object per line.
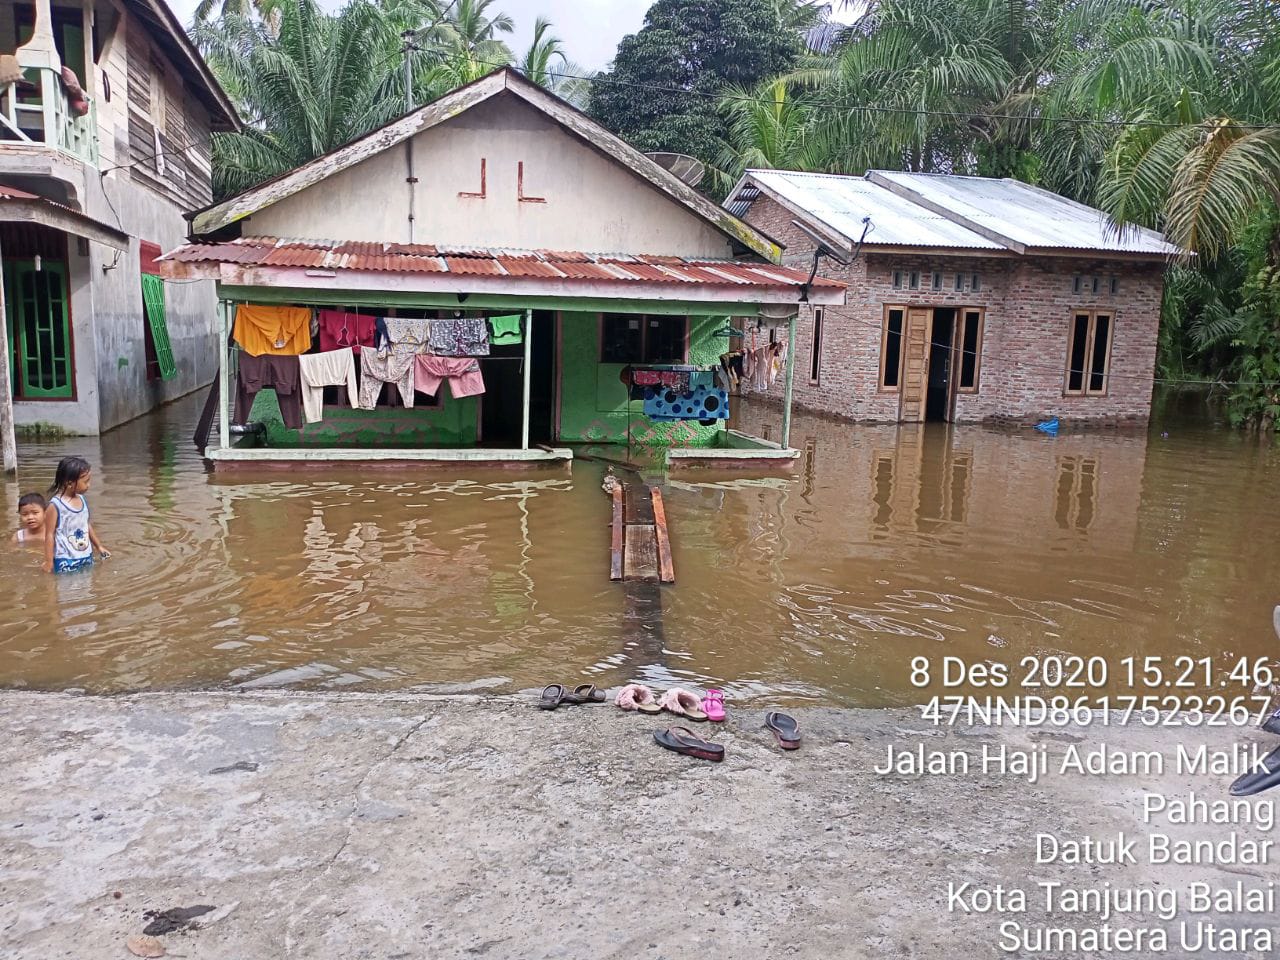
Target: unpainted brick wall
{"x":1028,"y":304}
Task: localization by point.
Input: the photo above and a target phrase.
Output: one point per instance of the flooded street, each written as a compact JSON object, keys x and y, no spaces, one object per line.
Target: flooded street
{"x":891,"y":541}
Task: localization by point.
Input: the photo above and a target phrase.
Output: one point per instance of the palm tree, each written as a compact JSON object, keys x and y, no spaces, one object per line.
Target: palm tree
{"x":243,"y":8}
{"x":546,"y":64}
{"x":304,"y":90}
{"x":544,"y":53}
{"x":769,"y":128}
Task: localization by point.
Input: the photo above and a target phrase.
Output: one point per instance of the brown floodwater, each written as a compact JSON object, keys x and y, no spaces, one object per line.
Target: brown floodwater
{"x":889,"y":543}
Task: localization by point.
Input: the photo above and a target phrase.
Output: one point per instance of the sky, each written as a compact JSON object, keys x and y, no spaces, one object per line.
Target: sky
{"x":589,"y":29}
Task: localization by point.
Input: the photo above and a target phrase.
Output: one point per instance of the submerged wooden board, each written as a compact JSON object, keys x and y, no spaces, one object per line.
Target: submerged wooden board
{"x":666,"y":567}
{"x":638,"y":504}
{"x":616,"y":548}
{"x":641,"y":553}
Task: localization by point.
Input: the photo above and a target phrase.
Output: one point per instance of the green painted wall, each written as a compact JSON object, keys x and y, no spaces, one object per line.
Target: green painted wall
{"x":452,"y":425}
{"x":593,"y":401}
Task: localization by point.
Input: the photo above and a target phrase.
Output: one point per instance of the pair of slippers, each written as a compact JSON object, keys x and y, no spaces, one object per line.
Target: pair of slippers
{"x":638,"y":697}
{"x":556,"y":694}
{"x":682,"y":739}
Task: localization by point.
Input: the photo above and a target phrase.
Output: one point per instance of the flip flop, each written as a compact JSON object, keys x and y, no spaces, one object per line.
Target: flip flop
{"x":683,"y":704}
{"x":552,"y":696}
{"x":713,"y":704}
{"x":785,"y":728}
{"x":638,"y":697}
{"x":584,"y":693}
{"x":1246,"y":785}
{"x":682,"y":740}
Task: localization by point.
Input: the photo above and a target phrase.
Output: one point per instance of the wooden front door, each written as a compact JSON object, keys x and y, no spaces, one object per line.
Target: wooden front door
{"x":915,"y":366}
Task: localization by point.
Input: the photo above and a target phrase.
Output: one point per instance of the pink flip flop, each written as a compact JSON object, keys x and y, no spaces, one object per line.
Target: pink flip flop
{"x":713,"y":704}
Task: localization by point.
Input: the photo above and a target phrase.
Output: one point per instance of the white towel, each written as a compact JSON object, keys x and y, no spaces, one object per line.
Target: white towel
{"x":320,"y":370}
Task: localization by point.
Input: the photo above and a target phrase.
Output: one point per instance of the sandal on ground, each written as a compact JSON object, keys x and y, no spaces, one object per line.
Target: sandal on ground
{"x":552,"y":696}
{"x":1246,"y":785}
{"x":638,"y":697}
{"x":683,"y":704}
{"x":713,"y":704}
{"x":584,"y":693}
{"x":785,"y":728}
{"x":682,"y":740}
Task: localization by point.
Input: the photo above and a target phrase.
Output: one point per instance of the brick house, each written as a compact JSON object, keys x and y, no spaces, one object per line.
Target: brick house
{"x":969,"y":298}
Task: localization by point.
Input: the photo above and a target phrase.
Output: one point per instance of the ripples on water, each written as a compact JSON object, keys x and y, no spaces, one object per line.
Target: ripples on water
{"x":890,"y":543}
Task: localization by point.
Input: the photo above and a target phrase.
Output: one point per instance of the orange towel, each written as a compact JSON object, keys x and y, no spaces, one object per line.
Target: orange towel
{"x":278,"y":331}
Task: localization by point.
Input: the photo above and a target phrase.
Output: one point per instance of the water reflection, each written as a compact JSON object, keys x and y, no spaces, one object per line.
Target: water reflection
{"x":891,"y":541}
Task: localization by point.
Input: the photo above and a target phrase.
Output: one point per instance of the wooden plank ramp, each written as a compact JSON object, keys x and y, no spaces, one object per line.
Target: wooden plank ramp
{"x":641,"y":545}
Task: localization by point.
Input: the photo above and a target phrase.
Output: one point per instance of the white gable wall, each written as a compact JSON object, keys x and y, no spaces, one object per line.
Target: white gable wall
{"x":591,"y":203}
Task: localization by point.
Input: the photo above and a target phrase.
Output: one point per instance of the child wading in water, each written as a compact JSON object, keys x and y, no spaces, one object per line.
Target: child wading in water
{"x":31,"y":507}
{"x":69,"y":540}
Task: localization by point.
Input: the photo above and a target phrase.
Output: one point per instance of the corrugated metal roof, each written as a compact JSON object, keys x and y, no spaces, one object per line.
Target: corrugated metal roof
{"x":1027,"y":215}
{"x":841,"y":203}
{"x":568,"y":265}
{"x":947,"y":211}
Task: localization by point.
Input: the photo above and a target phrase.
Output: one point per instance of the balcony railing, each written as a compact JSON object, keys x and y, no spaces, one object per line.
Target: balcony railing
{"x":36,"y":112}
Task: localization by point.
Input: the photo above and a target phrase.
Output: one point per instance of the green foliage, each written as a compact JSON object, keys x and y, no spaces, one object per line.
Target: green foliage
{"x":662,"y":90}
{"x":304,"y":86}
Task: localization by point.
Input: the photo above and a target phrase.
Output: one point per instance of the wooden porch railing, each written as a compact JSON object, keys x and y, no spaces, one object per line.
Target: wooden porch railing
{"x":37,"y":113}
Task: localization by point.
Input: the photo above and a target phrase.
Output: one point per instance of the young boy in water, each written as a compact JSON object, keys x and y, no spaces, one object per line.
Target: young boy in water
{"x":31,"y":507}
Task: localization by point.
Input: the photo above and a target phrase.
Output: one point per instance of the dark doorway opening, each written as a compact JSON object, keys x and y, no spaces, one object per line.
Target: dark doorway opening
{"x":938,"y":398}
{"x":503,"y":401}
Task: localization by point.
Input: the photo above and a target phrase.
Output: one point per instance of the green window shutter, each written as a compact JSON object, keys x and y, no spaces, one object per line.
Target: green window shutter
{"x":153,"y":298}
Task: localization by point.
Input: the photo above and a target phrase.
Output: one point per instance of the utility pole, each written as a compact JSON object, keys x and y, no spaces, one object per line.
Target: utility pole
{"x":8,"y":446}
{"x":408,"y":48}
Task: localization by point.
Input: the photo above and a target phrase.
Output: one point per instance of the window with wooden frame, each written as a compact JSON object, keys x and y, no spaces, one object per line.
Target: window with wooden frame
{"x":1089,"y":353}
{"x":891,"y":348}
{"x":815,"y":351}
{"x":969,"y":342}
{"x":643,"y":338}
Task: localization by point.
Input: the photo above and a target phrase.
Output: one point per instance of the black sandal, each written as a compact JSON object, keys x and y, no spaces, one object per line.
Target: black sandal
{"x":682,"y":740}
{"x":1246,"y":785}
{"x":552,"y":696}
{"x":785,"y":728}
{"x":584,"y":693}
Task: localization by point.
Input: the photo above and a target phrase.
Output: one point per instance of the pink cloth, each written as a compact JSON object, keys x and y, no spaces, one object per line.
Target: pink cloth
{"x":339,"y":328}
{"x":463,"y":374}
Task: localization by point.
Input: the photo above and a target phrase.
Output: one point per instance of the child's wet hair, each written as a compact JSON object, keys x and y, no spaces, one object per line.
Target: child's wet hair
{"x":31,"y":500}
{"x":70,"y":470}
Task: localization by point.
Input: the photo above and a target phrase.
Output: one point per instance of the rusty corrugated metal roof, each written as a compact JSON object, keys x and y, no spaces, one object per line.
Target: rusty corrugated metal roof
{"x":474,"y":261}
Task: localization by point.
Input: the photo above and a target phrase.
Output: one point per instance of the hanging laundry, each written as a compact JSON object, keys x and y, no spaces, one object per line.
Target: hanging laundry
{"x":777,"y":360}
{"x":272,"y":331}
{"x":378,"y":367}
{"x":463,"y":374}
{"x":331,"y":369}
{"x":408,"y":337}
{"x":340,"y":328}
{"x":461,"y":337}
{"x":761,"y":360}
{"x":702,"y":380}
{"x":506,"y":331}
{"x":700,"y":404}
{"x":280,"y":373}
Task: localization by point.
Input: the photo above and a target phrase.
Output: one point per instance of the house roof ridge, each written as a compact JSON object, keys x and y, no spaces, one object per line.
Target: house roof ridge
{"x":505,"y":79}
